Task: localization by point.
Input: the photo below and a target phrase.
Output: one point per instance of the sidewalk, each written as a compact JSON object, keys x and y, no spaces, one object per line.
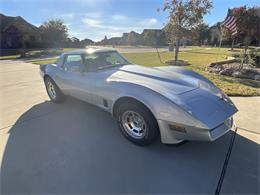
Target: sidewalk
{"x":242,"y":174}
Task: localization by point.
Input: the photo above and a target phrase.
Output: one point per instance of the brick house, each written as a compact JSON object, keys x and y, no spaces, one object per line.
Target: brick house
{"x":15,"y":33}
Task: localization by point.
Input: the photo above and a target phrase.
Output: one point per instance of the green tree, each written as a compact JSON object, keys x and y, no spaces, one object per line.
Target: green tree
{"x":75,"y":42}
{"x":201,"y":33}
{"x":248,"y":21}
{"x":228,"y":36}
{"x":54,"y":33}
{"x":184,"y":15}
{"x":248,"y":24}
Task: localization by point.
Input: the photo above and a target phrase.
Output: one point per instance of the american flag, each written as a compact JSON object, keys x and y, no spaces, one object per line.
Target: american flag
{"x":230,"y":23}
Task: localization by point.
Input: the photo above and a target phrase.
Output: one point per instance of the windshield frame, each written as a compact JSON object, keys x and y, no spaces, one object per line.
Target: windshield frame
{"x":98,"y":68}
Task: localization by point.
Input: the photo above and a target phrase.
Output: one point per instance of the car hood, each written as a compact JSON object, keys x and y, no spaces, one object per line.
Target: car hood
{"x":189,"y":90}
{"x":156,"y":79}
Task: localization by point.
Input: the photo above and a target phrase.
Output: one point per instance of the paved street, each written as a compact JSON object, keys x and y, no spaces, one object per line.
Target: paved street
{"x":146,"y":49}
{"x":141,"y":49}
{"x":76,"y":148}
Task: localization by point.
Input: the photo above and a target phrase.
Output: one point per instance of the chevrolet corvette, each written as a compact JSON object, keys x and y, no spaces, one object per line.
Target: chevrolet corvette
{"x":172,"y":103}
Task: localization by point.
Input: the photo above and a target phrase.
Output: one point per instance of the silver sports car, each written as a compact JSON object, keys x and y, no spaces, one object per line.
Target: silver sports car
{"x":174,"y":103}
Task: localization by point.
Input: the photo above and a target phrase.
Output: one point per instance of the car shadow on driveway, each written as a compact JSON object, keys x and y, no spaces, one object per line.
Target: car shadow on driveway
{"x":77,"y":148}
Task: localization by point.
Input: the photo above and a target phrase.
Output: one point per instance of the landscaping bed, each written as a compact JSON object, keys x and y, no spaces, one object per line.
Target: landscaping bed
{"x":233,"y":68}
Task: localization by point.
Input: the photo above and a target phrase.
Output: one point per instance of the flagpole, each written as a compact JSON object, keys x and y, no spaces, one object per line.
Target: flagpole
{"x":220,"y":42}
{"x":233,"y":42}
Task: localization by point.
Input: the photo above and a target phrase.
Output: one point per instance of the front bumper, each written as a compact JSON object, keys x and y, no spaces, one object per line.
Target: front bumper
{"x":172,"y":136}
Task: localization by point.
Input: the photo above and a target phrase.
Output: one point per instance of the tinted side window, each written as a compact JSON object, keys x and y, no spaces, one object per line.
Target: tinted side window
{"x":73,"y":63}
{"x":59,"y":61}
{"x":113,"y":58}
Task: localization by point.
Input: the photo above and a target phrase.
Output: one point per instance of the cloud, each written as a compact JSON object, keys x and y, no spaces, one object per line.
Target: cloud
{"x":93,"y":14}
{"x":92,"y":22}
{"x":67,"y":16}
{"x":96,"y":25}
{"x":151,"y":21}
{"x":90,"y":3}
{"x":148,"y":22}
{"x":119,"y":17}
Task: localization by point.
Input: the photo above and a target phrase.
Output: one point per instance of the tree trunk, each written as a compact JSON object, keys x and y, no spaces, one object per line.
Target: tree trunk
{"x":177,"y":51}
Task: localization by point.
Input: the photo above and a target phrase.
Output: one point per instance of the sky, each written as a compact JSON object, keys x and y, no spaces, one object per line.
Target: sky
{"x":94,"y":19}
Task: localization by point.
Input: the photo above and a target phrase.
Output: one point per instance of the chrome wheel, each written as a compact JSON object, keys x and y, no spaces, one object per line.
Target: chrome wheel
{"x":134,"y":124}
{"x":51,"y":90}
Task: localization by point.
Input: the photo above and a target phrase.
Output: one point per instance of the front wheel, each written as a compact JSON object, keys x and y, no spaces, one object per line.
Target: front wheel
{"x":53,"y":91}
{"x":137,"y":123}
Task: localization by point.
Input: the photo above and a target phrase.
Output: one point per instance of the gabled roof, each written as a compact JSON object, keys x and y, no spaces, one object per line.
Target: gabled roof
{"x":18,"y":22}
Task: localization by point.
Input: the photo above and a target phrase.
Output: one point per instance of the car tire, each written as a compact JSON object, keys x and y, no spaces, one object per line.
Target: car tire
{"x":54,"y":93}
{"x":137,"y":123}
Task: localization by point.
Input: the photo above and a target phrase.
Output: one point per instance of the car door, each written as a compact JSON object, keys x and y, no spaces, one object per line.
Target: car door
{"x":75,"y":79}
{"x":97,"y":77}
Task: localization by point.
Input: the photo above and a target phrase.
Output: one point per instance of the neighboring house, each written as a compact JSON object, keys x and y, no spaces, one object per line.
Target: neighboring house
{"x":154,"y":37}
{"x":149,"y":37}
{"x":16,"y":33}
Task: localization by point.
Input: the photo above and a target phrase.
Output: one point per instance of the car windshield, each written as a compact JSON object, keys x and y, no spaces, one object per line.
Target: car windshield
{"x":103,"y":60}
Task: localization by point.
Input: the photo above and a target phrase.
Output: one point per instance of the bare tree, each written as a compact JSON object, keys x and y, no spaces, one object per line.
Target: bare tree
{"x":184,"y":15}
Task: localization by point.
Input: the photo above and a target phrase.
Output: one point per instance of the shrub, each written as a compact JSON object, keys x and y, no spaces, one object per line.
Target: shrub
{"x":254,"y":57}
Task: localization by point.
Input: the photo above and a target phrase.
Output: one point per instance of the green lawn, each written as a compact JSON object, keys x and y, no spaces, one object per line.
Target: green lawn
{"x":9,"y":57}
{"x":198,"y":57}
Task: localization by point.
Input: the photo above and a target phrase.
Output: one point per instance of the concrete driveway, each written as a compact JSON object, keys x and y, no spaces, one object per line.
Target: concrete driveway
{"x":77,"y":148}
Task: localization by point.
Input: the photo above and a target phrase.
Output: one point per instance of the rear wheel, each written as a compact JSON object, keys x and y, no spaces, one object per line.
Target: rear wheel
{"x":137,"y":123}
{"x":53,"y":91}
